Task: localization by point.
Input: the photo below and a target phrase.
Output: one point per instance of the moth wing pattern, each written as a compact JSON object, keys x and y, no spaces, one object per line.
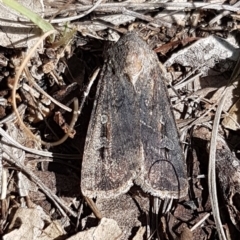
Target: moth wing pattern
{"x":164,"y":170}
{"x":111,"y":153}
{"x":132,"y":135}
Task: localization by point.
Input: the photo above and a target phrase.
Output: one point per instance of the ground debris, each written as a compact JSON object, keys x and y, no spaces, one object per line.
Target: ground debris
{"x":41,"y":198}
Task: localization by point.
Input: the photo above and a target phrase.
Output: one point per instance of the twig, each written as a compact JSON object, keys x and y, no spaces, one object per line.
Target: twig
{"x":3,"y":184}
{"x":223,"y":14}
{"x":86,"y":92}
{"x":183,"y":83}
{"x":68,"y":19}
{"x":200,"y":222}
{"x":35,"y":151}
{"x":212,"y":170}
{"x":117,"y":7}
{"x":149,"y":19}
{"x":30,"y":79}
{"x":12,"y":117}
{"x":60,"y":9}
{"x":93,"y":206}
{"x":71,"y":126}
{"x":199,"y":119}
{"x":79,"y":215}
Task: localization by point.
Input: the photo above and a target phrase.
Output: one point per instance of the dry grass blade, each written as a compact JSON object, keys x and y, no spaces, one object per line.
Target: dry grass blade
{"x":92,"y":8}
{"x":35,"y":151}
{"x":212,"y":170}
{"x":117,"y":7}
{"x":221,"y":15}
{"x":212,"y":156}
{"x":30,"y":78}
{"x":35,"y":18}
{"x":200,"y":222}
{"x":86,"y":92}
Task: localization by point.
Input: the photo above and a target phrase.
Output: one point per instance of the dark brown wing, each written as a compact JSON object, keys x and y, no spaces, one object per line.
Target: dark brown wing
{"x":132,"y":133}
{"x":164,"y":169}
{"x":112,"y":150}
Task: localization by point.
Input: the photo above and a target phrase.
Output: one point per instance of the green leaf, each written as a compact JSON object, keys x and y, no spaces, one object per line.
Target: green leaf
{"x":32,"y":16}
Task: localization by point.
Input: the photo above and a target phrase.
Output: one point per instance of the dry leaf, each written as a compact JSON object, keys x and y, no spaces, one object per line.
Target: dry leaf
{"x":106,"y":230}
{"x":204,"y":54}
{"x":16,"y":31}
{"x":172,"y":45}
{"x":232,"y":119}
{"x":140,"y":233}
{"x":28,"y":223}
{"x":53,"y":231}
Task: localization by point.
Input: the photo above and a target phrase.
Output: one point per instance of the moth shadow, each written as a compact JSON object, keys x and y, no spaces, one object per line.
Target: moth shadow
{"x":67,"y":171}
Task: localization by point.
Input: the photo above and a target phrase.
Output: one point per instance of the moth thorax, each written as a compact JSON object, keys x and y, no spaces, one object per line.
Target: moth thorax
{"x":133,"y":67}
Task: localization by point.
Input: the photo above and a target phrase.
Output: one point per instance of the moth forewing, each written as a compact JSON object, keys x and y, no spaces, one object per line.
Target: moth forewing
{"x":112,"y":149}
{"x":138,"y":138}
{"x":164,"y":169}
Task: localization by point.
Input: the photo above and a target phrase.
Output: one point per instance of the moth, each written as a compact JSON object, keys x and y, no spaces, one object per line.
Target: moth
{"x":132,"y":135}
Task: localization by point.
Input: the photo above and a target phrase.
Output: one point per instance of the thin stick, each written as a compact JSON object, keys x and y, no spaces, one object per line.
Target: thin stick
{"x":35,"y":151}
{"x":30,"y":79}
{"x":12,"y":117}
{"x":94,"y":208}
{"x":68,"y":19}
{"x":200,"y":222}
{"x":86,"y":92}
{"x":117,"y":7}
{"x":71,"y":126}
